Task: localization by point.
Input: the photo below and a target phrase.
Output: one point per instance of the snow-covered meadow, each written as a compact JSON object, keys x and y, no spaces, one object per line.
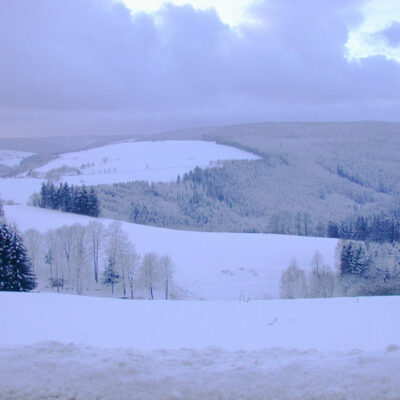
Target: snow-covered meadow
{"x":283,"y":349}
{"x":123,"y":162}
{"x":12,"y":158}
{"x":212,"y":266}
{"x":151,"y":161}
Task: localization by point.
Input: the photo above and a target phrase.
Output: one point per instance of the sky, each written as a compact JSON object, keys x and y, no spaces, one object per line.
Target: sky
{"x":72,"y":67}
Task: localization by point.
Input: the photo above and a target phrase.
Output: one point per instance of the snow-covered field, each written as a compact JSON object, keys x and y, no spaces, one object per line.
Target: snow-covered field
{"x":151,"y":161}
{"x":217,"y":266}
{"x":125,"y":162}
{"x":70,"y":347}
{"x":12,"y":158}
{"x":338,"y":324}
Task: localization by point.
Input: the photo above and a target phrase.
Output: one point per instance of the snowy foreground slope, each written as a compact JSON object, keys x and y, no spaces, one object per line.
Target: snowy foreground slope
{"x":213,"y":266}
{"x":125,"y":162}
{"x":337,"y":324}
{"x":282,"y":349}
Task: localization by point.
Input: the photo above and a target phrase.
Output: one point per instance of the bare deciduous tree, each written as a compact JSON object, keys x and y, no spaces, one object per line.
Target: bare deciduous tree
{"x":150,"y":272}
{"x":293,"y":283}
{"x":95,"y":233}
{"x":167,"y":270}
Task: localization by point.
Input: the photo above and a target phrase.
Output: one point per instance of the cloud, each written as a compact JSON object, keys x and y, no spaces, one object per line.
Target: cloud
{"x":392,"y":34}
{"x":89,"y":66}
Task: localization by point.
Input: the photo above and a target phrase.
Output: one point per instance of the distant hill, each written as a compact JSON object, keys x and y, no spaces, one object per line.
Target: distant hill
{"x":310,"y":174}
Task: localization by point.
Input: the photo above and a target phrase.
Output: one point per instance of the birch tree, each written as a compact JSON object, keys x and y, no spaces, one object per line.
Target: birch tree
{"x":150,"y":273}
{"x":95,"y":233}
{"x":167,"y":270}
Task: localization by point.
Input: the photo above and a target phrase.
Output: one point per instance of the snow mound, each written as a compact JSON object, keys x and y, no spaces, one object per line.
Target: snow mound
{"x":55,"y":371}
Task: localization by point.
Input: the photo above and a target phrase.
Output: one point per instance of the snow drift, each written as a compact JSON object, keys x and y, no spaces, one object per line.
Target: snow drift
{"x":91,"y":348}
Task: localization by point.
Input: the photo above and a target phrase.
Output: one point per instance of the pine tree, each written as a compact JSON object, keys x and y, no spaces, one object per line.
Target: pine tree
{"x":110,"y":277}
{"x":15,"y":267}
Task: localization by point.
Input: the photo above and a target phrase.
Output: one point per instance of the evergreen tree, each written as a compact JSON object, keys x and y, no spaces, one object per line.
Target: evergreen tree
{"x":15,"y":267}
{"x":353,"y":258}
{"x":110,"y":277}
{"x":1,"y":210}
{"x":66,"y":198}
{"x":52,"y":201}
{"x":361,"y":229}
{"x":43,"y":196}
{"x":93,"y":208}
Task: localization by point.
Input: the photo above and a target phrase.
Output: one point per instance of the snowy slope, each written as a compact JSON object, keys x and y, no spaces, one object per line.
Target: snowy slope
{"x":129,"y":161}
{"x":283,"y":349}
{"x":125,"y":162}
{"x":19,"y":190}
{"x":12,"y":158}
{"x":338,"y":324}
{"x":219,"y":266}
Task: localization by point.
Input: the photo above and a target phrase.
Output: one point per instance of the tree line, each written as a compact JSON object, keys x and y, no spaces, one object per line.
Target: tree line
{"x":74,"y":199}
{"x":363,"y":269}
{"x":379,"y":228}
{"x":95,"y":259}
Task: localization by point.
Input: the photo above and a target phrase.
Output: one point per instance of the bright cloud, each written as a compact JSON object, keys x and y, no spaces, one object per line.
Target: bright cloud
{"x":369,"y":39}
{"x":233,"y":13}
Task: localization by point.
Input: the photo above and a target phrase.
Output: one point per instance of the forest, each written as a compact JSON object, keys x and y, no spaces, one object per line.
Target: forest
{"x":74,"y":199}
{"x":254,"y":196}
{"x":309,"y":181}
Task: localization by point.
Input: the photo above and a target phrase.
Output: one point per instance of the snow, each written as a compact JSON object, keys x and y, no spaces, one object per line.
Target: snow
{"x":12,"y":158}
{"x":19,"y":190}
{"x":83,"y":348}
{"x":54,"y":371}
{"x":125,"y":162}
{"x":338,"y":324}
{"x":129,"y":161}
{"x":212,"y":266}
{"x":72,"y":347}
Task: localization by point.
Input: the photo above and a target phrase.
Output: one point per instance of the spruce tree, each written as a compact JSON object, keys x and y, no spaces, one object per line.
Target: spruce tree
{"x":66,"y":198}
{"x":43,"y":196}
{"x":93,"y":204}
{"x":15,"y":267}
{"x":110,"y":277}
{"x":1,"y":210}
